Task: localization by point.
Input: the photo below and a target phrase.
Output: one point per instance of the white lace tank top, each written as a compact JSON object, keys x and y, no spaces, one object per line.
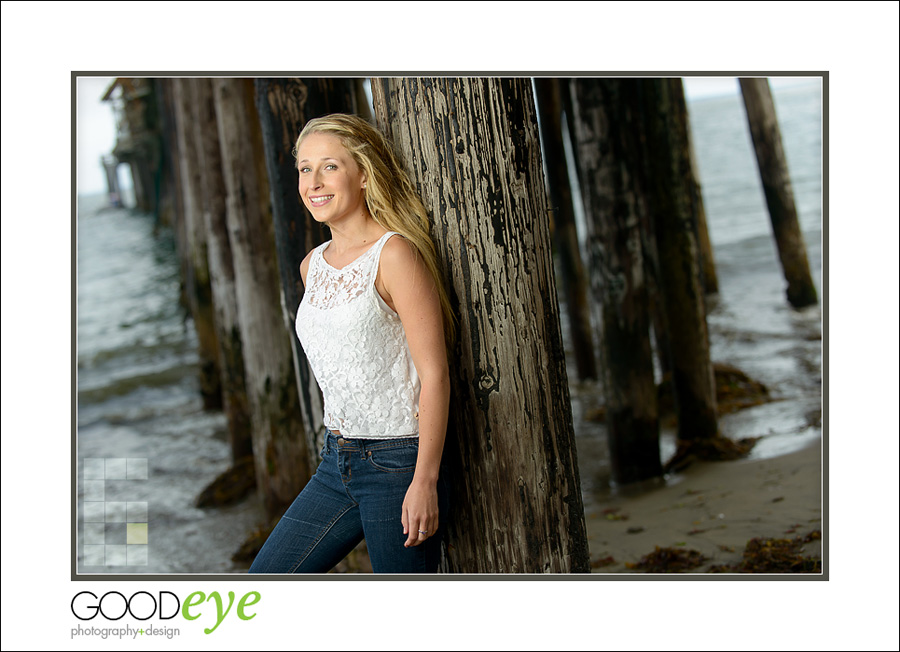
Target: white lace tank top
{"x":357,"y":349}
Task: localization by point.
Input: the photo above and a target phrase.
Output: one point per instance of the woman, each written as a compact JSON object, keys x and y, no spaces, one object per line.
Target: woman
{"x":374,"y":323}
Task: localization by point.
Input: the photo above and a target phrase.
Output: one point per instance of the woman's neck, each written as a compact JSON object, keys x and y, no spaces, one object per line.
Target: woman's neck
{"x":349,"y":236}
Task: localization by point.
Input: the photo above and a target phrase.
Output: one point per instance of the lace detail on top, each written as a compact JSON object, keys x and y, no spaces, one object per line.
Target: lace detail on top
{"x":357,"y":349}
{"x":336,"y":287}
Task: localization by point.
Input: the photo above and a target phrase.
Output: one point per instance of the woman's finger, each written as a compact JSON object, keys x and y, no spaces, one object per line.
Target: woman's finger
{"x":414,"y":535}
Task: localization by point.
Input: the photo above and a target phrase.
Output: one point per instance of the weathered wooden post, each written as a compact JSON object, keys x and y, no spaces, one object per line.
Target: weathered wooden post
{"x":285,"y":105}
{"x":707,"y":260}
{"x":169,"y":193}
{"x":565,"y":236}
{"x":279,"y":441}
{"x":221,"y":268}
{"x":472,"y":147}
{"x":172,"y":201}
{"x":198,"y":290}
{"x":607,"y":128}
{"x":776,"y":182}
{"x":669,"y":200}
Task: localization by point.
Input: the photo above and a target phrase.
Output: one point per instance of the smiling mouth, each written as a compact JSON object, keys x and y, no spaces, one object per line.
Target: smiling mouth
{"x":317,"y":201}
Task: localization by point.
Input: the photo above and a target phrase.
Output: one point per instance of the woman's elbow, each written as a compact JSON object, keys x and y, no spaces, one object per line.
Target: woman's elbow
{"x":436,"y":377}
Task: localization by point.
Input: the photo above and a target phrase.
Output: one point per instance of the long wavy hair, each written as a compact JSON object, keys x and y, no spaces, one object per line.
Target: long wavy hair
{"x":391,"y":197}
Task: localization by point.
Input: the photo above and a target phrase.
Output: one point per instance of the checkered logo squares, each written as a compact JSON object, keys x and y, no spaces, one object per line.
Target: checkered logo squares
{"x":115,"y":533}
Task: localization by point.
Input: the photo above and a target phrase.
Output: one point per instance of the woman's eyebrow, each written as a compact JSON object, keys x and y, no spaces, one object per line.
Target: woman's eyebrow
{"x":324,"y":158}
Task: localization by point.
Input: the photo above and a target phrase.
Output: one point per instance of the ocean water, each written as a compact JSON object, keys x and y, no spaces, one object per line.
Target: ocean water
{"x":139,"y":402}
{"x":146,"y":448}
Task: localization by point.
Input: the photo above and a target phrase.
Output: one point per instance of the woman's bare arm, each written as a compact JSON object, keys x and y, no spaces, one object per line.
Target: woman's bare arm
{"x":407,"y":287}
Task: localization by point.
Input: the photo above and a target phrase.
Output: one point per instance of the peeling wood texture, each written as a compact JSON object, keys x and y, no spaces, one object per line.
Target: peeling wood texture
{"x":279,"y":441}
{"x":285,"y":105}
{"x":670,"y":187}
{"x":198,"y":289}
{"x":221,"y":268}
{"x":776,"y":182}
{"x":607,"y":127}
{"x":573,"y":277}
{"x":472,"y":147}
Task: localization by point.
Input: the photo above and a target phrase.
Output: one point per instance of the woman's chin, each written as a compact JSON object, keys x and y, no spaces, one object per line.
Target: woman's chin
{"x":318,"y":216}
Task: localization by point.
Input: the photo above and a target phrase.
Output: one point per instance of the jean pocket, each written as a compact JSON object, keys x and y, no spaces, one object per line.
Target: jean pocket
{"x":400,"y":458}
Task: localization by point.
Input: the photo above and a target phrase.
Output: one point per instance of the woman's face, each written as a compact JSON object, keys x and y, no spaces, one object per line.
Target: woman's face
{"x":331,"y":184}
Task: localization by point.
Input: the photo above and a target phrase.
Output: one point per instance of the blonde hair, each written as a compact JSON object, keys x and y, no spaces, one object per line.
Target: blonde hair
{"x":391,"y":198}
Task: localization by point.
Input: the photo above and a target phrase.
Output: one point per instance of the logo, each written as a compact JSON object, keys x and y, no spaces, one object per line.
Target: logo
{"x":143,"y":605}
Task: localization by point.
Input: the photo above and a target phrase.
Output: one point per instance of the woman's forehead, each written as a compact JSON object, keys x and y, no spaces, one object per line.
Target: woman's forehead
{"x":318,"y":143}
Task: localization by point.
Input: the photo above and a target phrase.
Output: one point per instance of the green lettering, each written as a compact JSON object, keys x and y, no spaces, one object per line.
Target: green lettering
{"x":220,"y":616}
{"x":190,"y":602}
{"x":244,"y":603}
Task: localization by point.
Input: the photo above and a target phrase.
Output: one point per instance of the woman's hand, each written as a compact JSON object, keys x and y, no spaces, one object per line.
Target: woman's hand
{"x":420,"y":512}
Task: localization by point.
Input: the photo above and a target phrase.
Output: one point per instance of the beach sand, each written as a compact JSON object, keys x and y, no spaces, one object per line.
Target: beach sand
{"x":714,"y":508}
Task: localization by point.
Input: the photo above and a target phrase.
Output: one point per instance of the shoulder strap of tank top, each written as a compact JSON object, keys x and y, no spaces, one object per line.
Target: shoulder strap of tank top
{"x":378,"y":247}
{"x":313,"y":270}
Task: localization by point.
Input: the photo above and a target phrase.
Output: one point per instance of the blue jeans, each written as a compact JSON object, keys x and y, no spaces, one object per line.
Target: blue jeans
{"x":356,"y":492}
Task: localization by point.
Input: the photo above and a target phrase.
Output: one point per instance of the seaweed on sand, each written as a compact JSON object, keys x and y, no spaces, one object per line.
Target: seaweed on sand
{"x":764,"y":555}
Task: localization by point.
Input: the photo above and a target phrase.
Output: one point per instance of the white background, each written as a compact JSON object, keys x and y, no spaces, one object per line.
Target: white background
{"x":857,"y":43}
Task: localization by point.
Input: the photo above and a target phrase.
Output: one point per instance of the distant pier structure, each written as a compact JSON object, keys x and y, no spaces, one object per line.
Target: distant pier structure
{"x":138,"y":140}
{"x":111,"y":166}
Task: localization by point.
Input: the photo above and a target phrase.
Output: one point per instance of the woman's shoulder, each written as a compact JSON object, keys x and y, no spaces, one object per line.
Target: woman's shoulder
{"x":401,"y":264}
{"x":398,"y":253}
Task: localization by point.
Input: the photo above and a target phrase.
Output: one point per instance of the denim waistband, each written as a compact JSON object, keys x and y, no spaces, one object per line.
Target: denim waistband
{"x":366,"y":444}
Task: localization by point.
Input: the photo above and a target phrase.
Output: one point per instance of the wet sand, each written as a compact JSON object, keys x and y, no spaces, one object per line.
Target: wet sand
{"x":713,"y":508}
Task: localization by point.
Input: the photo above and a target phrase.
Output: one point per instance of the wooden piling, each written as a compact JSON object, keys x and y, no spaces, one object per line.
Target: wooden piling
{"x":173,"y":198}
{"x":168,"y":192}
{"x":472,"y":148}
{"x":221,"y":268}
{"x":565,"y":235}
{"x":607,"y":128}
{"x":285,"y":105}
{"x":709,"y":276}
{"x":670,"y":203}
{"x":279,"y":440}
{"x":199,"y":290}
{"x":776,"y":182}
